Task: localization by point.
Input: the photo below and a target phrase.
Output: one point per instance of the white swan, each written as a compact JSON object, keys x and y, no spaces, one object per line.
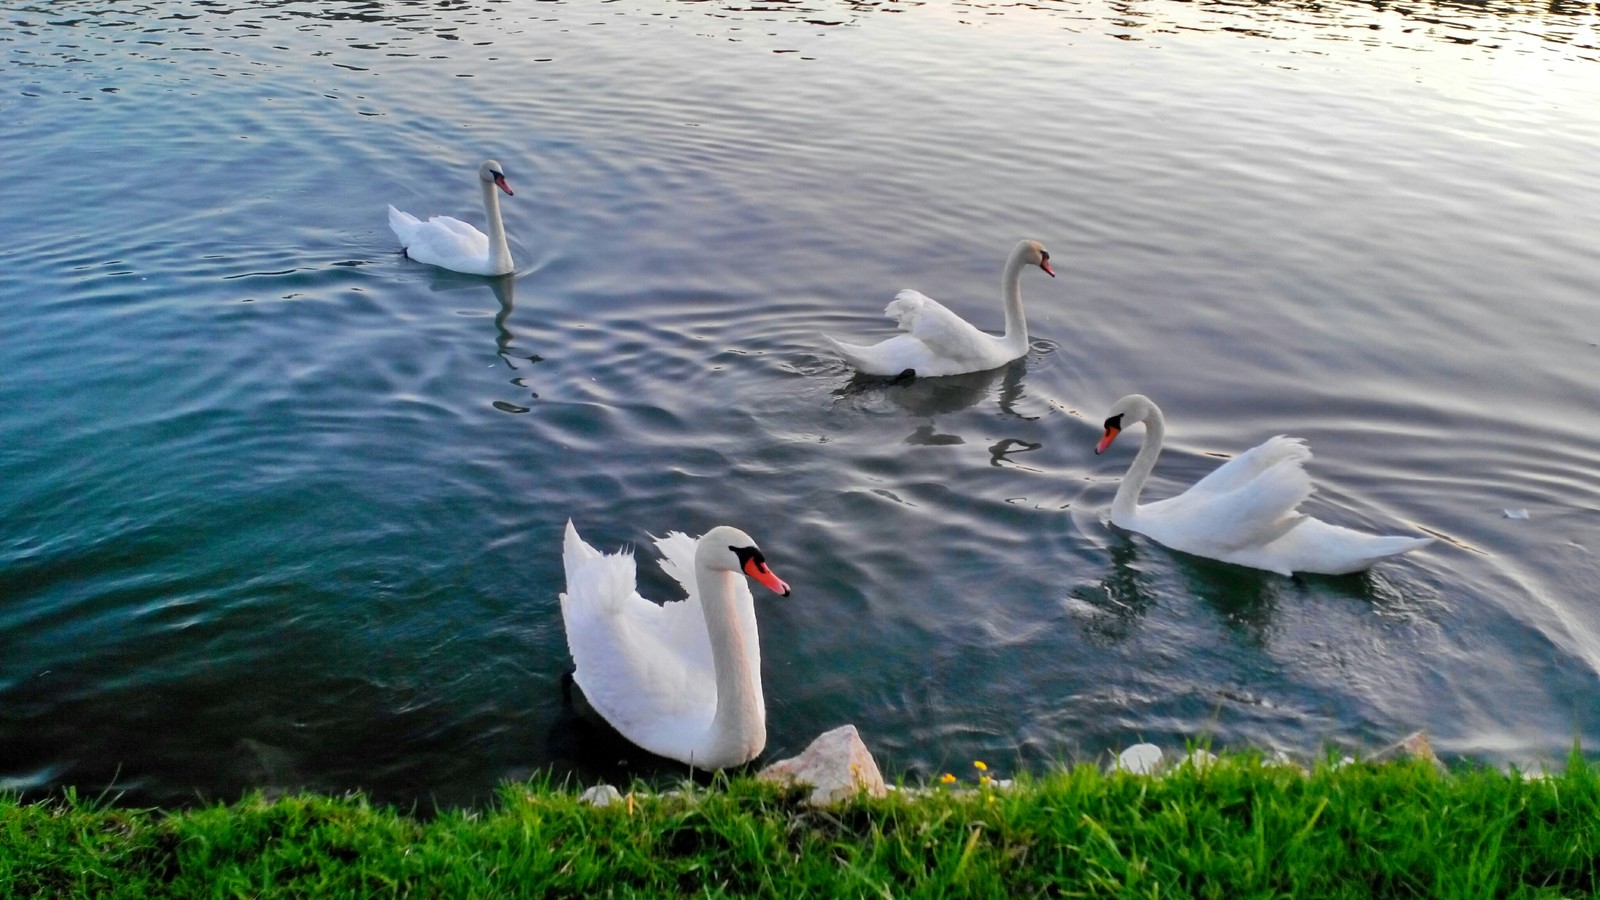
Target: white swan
{"x":682,"y":680}
{"x":1245,"y":512}
{"x":939,"y":342}
{"x":452,"y":243}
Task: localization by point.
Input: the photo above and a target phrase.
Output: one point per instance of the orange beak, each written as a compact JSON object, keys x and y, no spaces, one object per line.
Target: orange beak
{"x":500,"y":182}
{"x":1045,"y":265}
{"x":1110,"y":435}
{"x":761,"y":573}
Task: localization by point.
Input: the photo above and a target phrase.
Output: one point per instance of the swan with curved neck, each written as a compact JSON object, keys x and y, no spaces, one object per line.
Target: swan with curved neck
{"x":1246,"y":511}
{"x":682,"y":680}
{"x":455,"y":245}
{"x":939,"y":342}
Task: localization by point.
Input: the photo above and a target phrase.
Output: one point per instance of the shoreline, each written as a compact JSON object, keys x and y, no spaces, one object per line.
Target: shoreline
{"x":1237,"y":825}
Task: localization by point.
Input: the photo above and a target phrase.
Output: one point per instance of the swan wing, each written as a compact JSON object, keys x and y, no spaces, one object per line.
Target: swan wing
{"x":442,"y":241}
{"x":637,"y":661}
{"x":677,"y":559}
{"x":686,"y":621}
{"x":403,"y":224}
{"x":466,"y":230}
{"x":1247,"y":466}
{"x":1242,"y":513}
{"x":930,"y":322}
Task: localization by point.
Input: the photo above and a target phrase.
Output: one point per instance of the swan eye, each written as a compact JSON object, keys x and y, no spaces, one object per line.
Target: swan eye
{"x":1045,"y":254}
{"x":1114,"y":423}
{"x":747,"y":555}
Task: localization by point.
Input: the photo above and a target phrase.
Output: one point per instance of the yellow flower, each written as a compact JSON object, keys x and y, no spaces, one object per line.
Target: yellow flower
{"x":947,"y":778}
{"x":979,"y":764}
{"x":985,"y":779}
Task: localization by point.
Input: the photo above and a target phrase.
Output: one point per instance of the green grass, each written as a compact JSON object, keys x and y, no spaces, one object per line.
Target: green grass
{"x":1238,"y":829}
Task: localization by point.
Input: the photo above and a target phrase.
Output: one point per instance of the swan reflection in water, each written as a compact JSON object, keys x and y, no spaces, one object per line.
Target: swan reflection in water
{"x":932,"y":397}
{"x":1245,"y":601}
{"x":504,"y":289}
{"x":1110,"y":610}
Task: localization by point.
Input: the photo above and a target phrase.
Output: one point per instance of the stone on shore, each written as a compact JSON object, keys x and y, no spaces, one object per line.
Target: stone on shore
{"x":1414,"y":745}
{"x":601,"y":795}
{"x":1140,"y":759}
{"x":836,"y":766}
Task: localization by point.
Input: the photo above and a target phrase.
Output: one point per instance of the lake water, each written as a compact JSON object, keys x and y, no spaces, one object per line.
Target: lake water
{"x":281,"y":508}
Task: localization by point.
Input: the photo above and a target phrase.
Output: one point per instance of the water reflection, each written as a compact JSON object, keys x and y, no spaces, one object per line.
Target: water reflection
{"x":1246,"y":601}
{"x":1558,"y":25}
{"x":1110,"y":609}
{"x":1563,"y":26}
{"x":517,"y":358}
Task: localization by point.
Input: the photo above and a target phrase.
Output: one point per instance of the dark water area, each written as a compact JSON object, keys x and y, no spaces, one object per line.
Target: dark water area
{"x":281,"y":508}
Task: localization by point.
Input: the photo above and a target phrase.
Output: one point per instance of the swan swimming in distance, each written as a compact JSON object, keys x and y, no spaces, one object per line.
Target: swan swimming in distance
{"x":682,"y":679}
{"x":939,"y":342}
{"x":1246,"y":511}
{"x":455,"y":245}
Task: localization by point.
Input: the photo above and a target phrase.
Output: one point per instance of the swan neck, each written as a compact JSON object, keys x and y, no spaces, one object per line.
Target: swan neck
{"x":739,"y":727}
{"x":1011,"y":294}
{"x":499,"y":250}
{"x":1127,"y":499}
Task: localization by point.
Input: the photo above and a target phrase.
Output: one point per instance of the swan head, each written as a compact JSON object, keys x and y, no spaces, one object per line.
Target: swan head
{"x":728,"y":549}
{"x":491,"y":172}
{"x":1033,"y":253}
{"x":1130,"y":410}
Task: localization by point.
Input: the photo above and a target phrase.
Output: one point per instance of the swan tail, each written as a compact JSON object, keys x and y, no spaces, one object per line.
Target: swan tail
{"x":854,"y":355}
{"x":596,"y":581}
{"x":403,"y":224}
{"x":1381,"y":547}
{"x":1319,"y":547}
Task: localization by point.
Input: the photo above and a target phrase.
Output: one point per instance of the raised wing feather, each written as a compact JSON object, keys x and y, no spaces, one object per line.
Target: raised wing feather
{"x":931,"y":322}
{"x":1245,"y":467}
{"x":441,"y":241}
{"x":1249,"y":506}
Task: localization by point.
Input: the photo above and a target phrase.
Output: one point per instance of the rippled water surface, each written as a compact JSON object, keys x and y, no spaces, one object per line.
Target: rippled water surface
{"x":281,"y":508}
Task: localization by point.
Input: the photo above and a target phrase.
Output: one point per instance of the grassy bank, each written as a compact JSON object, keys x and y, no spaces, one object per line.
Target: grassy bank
{"x":1238,"y":829}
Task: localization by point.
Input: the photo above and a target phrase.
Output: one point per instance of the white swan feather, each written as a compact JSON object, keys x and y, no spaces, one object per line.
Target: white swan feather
{"x":1246,"y":511}
{"x":455,"y":245}
{"x":681,"y":679}
{"x":939,"y":342}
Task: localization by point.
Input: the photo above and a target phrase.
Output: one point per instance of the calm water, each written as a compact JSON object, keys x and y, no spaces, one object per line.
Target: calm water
{"x":281,"y":508}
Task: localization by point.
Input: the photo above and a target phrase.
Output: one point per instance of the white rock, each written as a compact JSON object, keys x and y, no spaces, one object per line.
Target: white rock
{"x":1199,"y":758}
{"x":1140,"y":759}
{"x":837,"y":766}
{"x":600,"y":795}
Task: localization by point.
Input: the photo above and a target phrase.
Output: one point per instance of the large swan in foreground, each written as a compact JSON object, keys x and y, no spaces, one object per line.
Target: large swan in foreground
{"x":682,"y":680}
{"x":1245,"y":512}
{"x":452,"y":243}
{"x":939,"y":342}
